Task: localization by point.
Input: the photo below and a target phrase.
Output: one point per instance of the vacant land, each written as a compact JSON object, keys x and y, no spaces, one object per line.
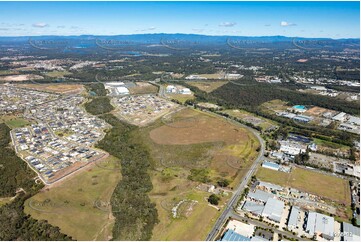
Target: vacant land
{"x":247,"y":117}
{"x":57,"y":88}
{"x":275,"y":105}
{"x":180,"y":143}
{"x":143,"y":88}
{"x":181,"y":97}
{"x":13,"y":121}
{"x":20,"y":78}
{"x":80,"y":205}
{"x":207,"y":86}
{"x":310,"y":181}
{"x":194,"y":139}
{"x":194,"y":217}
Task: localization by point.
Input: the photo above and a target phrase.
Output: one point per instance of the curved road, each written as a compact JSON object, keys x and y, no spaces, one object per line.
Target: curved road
{"x":229,"y":210}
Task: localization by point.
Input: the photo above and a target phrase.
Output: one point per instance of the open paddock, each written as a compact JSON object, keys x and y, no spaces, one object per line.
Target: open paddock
{"x":207,"y":86}
{"x":56,"y":88}
{"x":70,"y":204}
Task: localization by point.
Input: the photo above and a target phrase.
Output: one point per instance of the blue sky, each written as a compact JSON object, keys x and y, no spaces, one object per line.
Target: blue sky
{"x":303,"y":19}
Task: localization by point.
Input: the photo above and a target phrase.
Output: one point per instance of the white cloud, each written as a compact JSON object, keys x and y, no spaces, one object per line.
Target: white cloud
{"x":198,"y":30}
{"x":286,"y":24}
{"x":40,"y":25}
{"x":227,"y":24}
{"x":148,"y":29}
{"x":61,"y":27}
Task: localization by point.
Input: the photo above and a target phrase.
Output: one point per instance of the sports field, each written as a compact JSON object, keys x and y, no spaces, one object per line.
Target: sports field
{"x":310,"y":181}
{"x":80,"y":204}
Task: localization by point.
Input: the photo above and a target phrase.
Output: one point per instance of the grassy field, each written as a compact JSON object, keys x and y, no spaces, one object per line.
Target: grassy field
{"x":4,"y":200}
{"x":57,"y":88}
{"x":207,"y":86}
{"x":194,"y":139}
{"x":188,"y":140}
{"x":181,"y":97}
{"x":13,"y":121}
{"x":331,"y":145}
{"x":316,"y":183}
{"x":250,"y":118}
{"x":275,"y":106}
{"x":71,"y":204}
{"x":143,"y":88}
{"x":194,"y":222}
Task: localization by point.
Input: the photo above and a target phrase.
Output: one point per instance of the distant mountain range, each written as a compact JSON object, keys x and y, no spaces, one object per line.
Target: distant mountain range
{"x":156,"y":38}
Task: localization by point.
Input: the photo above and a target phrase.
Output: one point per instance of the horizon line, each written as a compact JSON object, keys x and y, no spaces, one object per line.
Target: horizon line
{"x":160,"y":33}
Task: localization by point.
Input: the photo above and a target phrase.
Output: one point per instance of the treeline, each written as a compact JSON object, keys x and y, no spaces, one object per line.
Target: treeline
{"x":97,"y":88}
{"x":99,"y":104}
{"x":255,"y":95}
{"x":227,"y":102}
{"x":16,"y":225}
{"x":344,"y":88}
{"x":15,"y":174}
{"x":135,"y":214}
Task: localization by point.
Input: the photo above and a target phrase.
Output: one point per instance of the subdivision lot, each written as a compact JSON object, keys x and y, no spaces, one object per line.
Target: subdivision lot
{"x":143,"y":88}
{"x":330,"y":187}
{"x":207,"y":86}
{"x":80,"y":205}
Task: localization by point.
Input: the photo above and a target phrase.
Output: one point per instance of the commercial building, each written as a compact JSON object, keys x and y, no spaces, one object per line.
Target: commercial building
{"x":253,"y":207}
{"x":320,"y":224}
{"x":270,"y":186}
{"x":273,"y":209}
{"x":231,"y":235}
{"x":350,"y":232}
{"x":292,"y":148}
{"x":293,"y":218}
{"x":302,"y":118}
{"x":271,"y":165}
{"x":116,"y":88}
{"x":340,"y":117}
{"x":260,"y":196}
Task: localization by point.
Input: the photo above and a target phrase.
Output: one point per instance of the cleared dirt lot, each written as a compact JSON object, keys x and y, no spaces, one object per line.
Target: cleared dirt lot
{"x":143,"y":88}
{"x":197,"y":128}
{"x":57,"y":88}
{"x":207,"y":86}
{"x":20,"y":78}
{"x":191,"y":139}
